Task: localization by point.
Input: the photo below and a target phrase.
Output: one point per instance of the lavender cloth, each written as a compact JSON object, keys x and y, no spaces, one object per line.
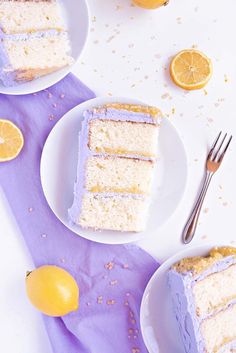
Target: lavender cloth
{"x":111,"y":278}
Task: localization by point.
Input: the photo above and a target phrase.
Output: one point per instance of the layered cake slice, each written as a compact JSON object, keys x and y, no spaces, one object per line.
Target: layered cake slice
{"x":28,"y":16}
{"x":33,"y":40}
{"x":117,"y":154}
{"x":203,"y":290}
{"x":24,"y":58}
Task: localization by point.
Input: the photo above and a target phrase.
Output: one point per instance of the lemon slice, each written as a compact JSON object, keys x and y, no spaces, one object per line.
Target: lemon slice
{"x":11,"y":140}
{"x":191,"y":69}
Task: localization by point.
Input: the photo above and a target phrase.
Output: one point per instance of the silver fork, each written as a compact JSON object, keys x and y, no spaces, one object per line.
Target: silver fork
{"x":213,"y":162}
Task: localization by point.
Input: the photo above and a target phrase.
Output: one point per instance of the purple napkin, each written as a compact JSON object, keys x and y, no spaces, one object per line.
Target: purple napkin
{"x":111,"y":278}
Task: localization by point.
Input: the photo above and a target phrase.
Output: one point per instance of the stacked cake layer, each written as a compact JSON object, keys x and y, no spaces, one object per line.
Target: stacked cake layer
{"x":117,"y":152}
{"x":204,"y":297}
{"x":34,"y":41}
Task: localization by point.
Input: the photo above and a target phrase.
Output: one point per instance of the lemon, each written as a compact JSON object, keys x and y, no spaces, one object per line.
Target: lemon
{"x":11,"y":140}
{"x":150,"y":4}
{"x":52,"y":290}
{"x":191,"y":69}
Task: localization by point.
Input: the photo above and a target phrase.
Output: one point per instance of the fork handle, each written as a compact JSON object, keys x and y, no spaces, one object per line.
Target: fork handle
{"x":191,"y":225}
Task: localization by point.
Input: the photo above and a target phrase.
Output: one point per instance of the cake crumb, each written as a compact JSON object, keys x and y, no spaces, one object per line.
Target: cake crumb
{"x":109,"y":266}
{"x":99,"y":299}
{"x":111,"y":302}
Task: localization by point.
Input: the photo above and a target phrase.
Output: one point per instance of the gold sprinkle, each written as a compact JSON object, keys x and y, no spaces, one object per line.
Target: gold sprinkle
{"x":205,"y":92}
{"x":173,"y":110}
{"x":226,"y":78}
{"x":94,"y":19}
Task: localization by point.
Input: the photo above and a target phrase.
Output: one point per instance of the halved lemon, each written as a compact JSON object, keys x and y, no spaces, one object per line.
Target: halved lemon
{"x":191,"y":69}
{"x":11,"y":140}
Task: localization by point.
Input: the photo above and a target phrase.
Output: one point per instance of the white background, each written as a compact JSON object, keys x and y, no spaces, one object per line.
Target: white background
{"x":127,"y":54}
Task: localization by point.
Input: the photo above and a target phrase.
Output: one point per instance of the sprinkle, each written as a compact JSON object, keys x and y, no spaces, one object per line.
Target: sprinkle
{"x":44,"y":235}
{"x":109,"y":266}
{"x":54,"y":105}
{"x":133,"y":321}
{"x":127,"y":294}
{"x":30,"y":209}
{"x":126,"y":303}
{"x":49,"y":95}
{"x":111,"y":302}
{"x":226,"y":78}
{"x":130,"y":331}
{"x":131,"y":313}
{"x":94,"y":19}
{"x":62,"y":260}
{"x":88,"y":303}
{"x":113,"y":283}
{"x":34,"y":94}
{"x":173,"y":110}
{"x":205,"y":92}
{"x":125,"y":266}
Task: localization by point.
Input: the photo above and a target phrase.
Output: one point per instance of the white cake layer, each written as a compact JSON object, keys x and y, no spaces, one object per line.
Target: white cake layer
{"x":29,"y":16}
{"x":114,"y":174}
{"x":126,"y":138}
{"x":37,"y":53}
{"x":113,"y":213}
{"x":219,"y":329}
{"x":215,"y":291}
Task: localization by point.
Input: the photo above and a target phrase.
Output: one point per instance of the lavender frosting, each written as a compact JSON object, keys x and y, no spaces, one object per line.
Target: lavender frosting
{"x":181,"y":285}
{"x":84,"y":153}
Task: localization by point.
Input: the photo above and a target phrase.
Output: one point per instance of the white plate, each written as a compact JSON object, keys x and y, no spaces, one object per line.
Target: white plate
{"x":76,"y":17}
{"x":158,"y":323}
{"x":58,"y":173}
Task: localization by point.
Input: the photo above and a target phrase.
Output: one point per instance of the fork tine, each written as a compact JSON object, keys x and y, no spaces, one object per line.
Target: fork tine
{"x":214,"y":145}
{"x":225,"y":149}
{"x":219,"y":148}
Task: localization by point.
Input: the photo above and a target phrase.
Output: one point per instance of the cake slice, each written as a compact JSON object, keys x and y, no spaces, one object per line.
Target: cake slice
{"x":24,"y":57}
{"x":28,"y":16}
{"x":117,"y":155}
{"x":203,"y":290}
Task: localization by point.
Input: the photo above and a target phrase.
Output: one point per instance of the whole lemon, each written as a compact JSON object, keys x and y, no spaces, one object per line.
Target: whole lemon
{"x":52,"y":290}
{"x":150,"y":4}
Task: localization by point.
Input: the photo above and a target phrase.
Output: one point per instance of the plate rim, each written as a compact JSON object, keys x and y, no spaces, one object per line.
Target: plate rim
{"x":136,"y":236}
{"x":64,"y":71}
{"x":163,"y":269}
